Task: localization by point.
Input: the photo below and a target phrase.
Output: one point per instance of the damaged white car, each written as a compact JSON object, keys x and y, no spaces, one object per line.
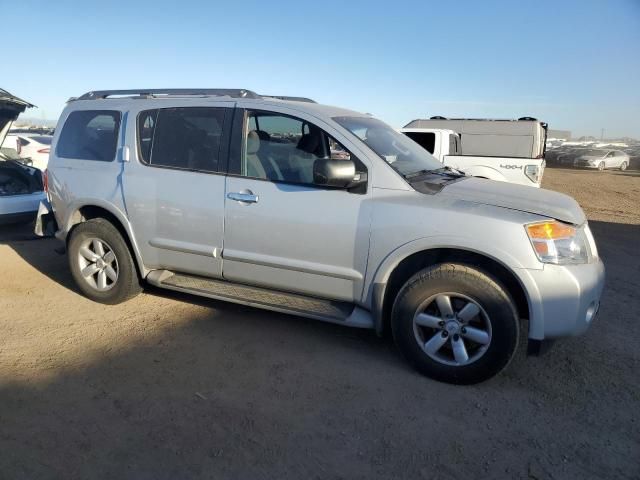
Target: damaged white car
{"x":21,"y":186}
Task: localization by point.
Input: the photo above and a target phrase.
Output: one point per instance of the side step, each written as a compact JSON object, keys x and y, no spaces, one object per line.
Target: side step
{"x":342,"y":313}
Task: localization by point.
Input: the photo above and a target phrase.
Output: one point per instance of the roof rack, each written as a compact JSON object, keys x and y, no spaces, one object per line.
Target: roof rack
{"x":151,"y":92}
{"x":291,"y":99}
{"x":531,"y":119}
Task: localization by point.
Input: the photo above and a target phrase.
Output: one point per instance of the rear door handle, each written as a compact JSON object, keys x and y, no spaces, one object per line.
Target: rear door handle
{"x":245,"y":197}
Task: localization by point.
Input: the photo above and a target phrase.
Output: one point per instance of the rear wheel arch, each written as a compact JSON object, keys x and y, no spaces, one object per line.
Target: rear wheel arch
{"x":420,"y":260}
{"x":89,"y":212}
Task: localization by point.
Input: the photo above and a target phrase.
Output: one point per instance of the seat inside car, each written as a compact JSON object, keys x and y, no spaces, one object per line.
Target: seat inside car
{"x":253,"y":164}
{"x":264,"y":159}
{"x":310,"y":147}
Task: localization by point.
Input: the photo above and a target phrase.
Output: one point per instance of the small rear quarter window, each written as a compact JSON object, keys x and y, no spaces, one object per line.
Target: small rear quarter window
{"x":90,"y":135}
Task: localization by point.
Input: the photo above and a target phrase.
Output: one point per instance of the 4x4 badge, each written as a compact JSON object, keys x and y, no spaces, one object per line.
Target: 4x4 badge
{"x":511,"y":167}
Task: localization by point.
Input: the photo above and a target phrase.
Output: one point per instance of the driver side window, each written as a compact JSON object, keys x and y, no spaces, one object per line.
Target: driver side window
{"x":282,"y":148}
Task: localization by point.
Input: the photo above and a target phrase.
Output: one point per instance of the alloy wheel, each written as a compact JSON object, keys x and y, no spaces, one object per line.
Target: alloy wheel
{"x":452,"y":329}
{"x":98,"y":264}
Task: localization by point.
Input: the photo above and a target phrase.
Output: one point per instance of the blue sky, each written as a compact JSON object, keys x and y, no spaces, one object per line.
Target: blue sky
{"x":574,"y":64}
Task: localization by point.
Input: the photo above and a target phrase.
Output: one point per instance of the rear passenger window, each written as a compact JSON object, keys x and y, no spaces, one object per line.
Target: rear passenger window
{"x":186,"y":138}
{"x":90,"y":135}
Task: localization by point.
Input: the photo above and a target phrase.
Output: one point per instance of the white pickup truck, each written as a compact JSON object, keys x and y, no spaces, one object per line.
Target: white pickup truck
{"x":522,"y":163}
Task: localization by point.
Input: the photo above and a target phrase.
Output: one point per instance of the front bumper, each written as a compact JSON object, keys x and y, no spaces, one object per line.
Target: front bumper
{"x":564,"y":299}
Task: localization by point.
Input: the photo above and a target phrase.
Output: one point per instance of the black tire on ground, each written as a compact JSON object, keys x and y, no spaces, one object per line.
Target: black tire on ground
{"x":623,"y":166}
{"x":601,"y":166}
{"x":127,"y":284}
{"x":474,"y":284}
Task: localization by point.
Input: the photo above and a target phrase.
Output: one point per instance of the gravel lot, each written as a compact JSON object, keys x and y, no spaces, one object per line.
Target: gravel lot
{"x":171,"y":386}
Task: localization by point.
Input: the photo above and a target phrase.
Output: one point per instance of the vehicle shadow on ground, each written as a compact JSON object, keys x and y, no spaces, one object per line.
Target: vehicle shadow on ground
{"x":615,"y":241}
{"x":38,"y":252}
{"x":634,"y":172}
{"x":630,"y":173}
{"x":239,"y":392}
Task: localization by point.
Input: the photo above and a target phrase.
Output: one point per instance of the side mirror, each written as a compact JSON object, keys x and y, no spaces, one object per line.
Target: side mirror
{"x":334,"y":173}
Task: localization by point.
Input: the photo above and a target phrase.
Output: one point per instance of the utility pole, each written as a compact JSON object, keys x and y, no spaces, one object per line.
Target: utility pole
{"x":601,"y":134}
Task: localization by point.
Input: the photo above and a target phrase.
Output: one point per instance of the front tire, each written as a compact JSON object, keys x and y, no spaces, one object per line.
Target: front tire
{"x":601,"y":166}
{"x":101,"y":263}
{"x":455,"y":324}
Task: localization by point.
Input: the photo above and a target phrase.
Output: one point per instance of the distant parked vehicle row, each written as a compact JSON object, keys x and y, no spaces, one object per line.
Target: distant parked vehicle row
{"x":593,"y":158}
{"x":602,"y":159}
{"x":32,"y":130}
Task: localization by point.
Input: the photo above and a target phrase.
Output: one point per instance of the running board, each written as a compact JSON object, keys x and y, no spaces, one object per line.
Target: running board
{"x":342,"y":313}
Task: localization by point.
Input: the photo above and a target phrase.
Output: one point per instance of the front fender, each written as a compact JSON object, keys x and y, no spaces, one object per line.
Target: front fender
{"x":378,"y":285}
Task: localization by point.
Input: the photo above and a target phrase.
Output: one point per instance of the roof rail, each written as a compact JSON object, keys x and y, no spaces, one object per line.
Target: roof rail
{"x":291,"y":99}
{"x":521,"y":119}
{"x":150,"y":92}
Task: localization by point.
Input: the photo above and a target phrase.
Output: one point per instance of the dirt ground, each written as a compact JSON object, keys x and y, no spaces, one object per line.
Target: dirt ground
{"x":171,"y":386}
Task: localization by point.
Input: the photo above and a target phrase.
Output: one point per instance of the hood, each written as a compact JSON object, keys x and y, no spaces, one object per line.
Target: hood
{"x":10,"y":108}
{"x":516,"y":197}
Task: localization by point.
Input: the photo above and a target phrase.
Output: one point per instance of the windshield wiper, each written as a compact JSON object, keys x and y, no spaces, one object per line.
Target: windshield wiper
{"x":417,"y":174}
{"x":448,"y":171}
{"x":438,"y":171}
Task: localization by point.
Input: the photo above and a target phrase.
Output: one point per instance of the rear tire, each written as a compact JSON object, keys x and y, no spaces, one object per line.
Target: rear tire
{"x":101,"y":263}
{"x":466,"y":339}
{"x":623,"y":166}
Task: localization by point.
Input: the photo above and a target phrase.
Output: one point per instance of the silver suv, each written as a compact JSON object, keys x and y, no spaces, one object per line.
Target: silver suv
{"x":288,"y":205}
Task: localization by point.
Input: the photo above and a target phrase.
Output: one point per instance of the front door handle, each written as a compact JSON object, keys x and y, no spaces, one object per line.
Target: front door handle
{"x":245,"y":197}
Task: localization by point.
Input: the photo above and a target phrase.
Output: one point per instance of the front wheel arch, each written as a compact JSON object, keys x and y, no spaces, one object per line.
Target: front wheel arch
{"x":415,"y":262}
{"x":451,"y":342}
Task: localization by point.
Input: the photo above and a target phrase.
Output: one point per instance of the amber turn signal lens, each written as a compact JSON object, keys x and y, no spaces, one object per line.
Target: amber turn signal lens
{"x":550,"y":230}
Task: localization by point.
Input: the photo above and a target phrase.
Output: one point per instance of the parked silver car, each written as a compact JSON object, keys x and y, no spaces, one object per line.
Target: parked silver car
{"x":237,"y":196}
{"x":602,"y":159}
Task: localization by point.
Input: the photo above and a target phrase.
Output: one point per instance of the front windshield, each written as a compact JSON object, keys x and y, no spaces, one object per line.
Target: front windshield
{"x":398,"y":150}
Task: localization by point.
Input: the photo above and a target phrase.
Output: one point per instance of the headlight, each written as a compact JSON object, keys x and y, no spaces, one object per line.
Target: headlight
{"x":559,"y":243}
